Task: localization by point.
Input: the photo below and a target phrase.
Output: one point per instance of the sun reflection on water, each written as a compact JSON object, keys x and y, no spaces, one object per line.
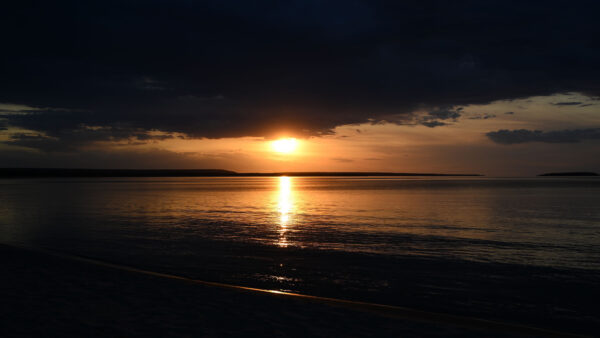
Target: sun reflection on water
{"x":285,"y":207}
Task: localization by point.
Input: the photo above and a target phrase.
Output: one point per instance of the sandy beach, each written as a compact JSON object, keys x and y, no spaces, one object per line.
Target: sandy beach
{"x":45,"y":295}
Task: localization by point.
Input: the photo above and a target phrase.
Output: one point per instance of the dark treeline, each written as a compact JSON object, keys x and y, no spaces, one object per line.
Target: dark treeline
{"x":60,"y":172}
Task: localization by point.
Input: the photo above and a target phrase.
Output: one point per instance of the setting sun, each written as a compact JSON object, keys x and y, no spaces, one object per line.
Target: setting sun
{"x":286,"y":145}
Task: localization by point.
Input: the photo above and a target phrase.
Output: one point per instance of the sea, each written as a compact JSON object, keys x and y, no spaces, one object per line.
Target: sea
{"x":518,"y":250}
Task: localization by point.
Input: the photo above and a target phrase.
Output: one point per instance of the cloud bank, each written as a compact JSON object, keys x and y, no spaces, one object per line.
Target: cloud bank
{"x":110,"y":70}
{"x":517,"y":136}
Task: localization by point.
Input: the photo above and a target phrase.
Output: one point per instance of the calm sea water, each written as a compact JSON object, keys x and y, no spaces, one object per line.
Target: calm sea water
{"x":457,"y":245}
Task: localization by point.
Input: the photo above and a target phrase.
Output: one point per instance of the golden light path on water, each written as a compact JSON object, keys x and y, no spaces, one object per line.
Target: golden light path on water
{"x":285,"y":207}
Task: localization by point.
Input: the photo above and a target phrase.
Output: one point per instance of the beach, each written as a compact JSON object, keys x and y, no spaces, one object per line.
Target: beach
{"x":47,"y":295}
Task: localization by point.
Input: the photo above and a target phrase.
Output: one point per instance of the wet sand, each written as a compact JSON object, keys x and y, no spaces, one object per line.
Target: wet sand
{"x":47,"y":295}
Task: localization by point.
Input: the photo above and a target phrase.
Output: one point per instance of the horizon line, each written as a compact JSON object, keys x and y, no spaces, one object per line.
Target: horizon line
{"x":97,"y":172}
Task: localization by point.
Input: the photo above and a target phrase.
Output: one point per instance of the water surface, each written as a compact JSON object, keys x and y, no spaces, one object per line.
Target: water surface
{"x":454,"y":245}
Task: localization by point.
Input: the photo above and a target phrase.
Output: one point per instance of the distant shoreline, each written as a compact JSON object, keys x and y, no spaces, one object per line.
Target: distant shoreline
{"x":63,"y":172}
{"x":572,"y":173}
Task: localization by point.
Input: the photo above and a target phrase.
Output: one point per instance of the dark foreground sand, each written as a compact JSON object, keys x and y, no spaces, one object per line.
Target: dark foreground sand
{"x":46,"y":295}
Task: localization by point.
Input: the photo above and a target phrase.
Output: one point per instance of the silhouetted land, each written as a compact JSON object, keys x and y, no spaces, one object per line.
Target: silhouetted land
{"x":60,"y":172}
{"x":572,"y":173}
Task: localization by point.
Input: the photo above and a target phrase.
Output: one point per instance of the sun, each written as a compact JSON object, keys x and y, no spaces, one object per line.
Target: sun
{"x":285,"y":145}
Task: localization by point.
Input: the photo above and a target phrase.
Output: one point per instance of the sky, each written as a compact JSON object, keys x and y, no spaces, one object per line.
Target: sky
{"x":501,"y":88}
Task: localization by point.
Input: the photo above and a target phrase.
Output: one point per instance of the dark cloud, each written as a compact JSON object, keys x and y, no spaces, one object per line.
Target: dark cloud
{"x":567,"y":103}
{"x":72,"y":139}
{"x":236,"y":68}
{"x":433,"y":124}
{"x":147,"y":83}
{"x":444,"y":114}
{"x":505,"y":136}
{"x":439,"y":116}
{"x":147,"y":137}
{"x":483,"y":116}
